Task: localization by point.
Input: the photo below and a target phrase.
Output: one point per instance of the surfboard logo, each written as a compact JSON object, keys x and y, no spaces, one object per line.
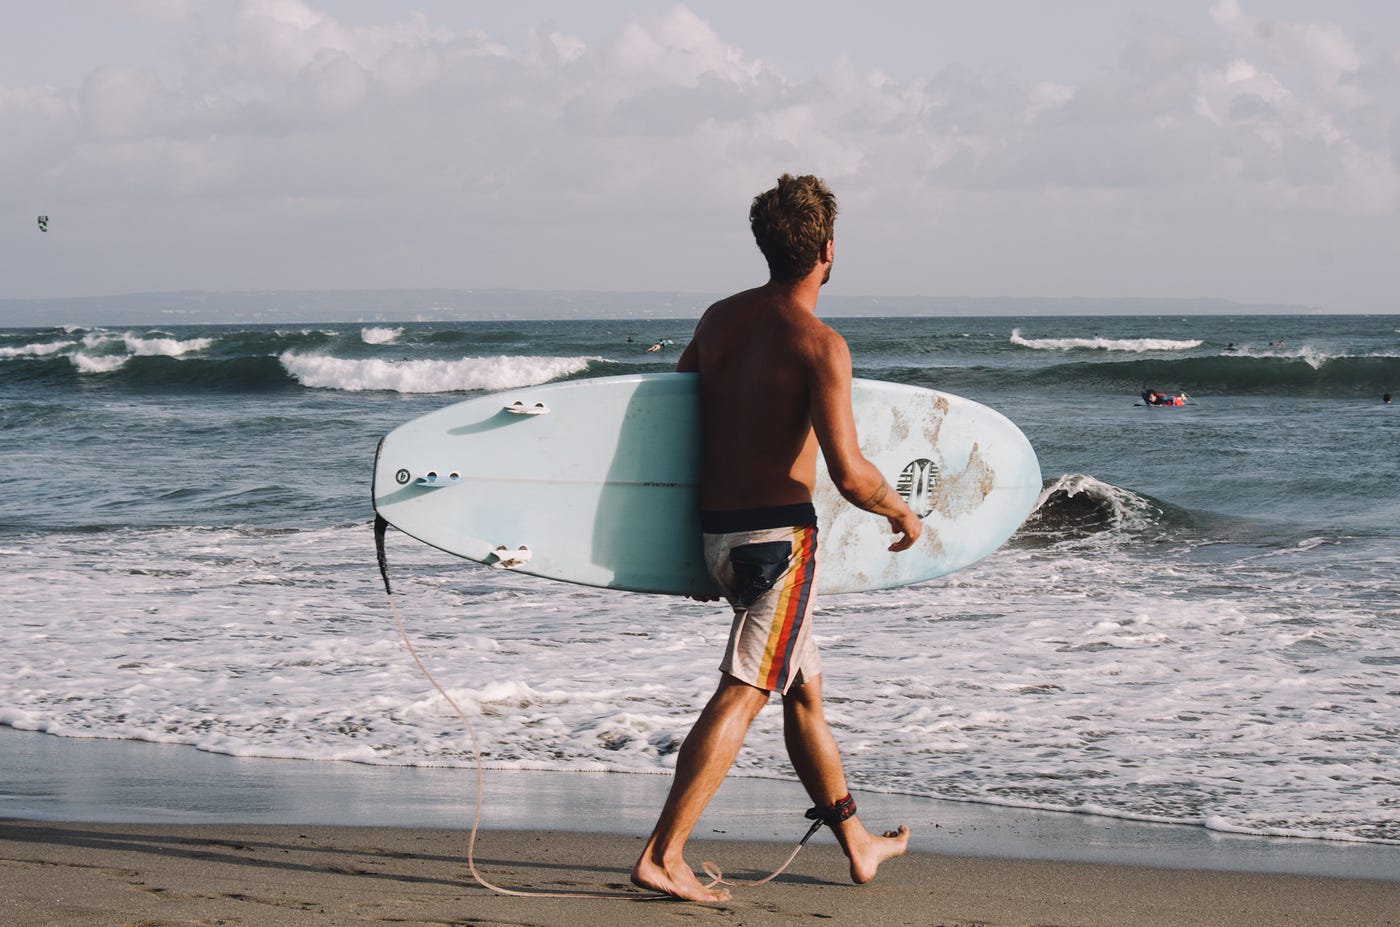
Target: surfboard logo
{"x":403,"y":476}
{"x":916,"y":483}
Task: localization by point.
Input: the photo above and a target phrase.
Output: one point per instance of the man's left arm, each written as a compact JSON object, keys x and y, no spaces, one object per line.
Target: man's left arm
{"x":857,"y":479}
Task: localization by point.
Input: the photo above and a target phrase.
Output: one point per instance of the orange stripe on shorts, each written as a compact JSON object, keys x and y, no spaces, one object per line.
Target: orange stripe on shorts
{"x":790,"y":611}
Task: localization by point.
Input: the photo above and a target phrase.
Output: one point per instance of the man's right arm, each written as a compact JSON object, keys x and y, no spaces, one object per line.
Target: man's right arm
{"x":689,"y":362}
{"x":857,"y":479}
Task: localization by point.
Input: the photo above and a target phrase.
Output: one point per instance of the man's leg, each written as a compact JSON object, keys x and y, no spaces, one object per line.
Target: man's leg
{"x":704,"y":760}
{"x":818,"y":763}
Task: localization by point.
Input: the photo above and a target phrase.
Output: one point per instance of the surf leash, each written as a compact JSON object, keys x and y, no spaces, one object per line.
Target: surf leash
{"x":380,"y":528}
{"x":830,"y":816}
{"x":840,"y":811}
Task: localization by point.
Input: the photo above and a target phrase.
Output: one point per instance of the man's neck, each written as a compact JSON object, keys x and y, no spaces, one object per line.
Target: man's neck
{"x":802,"y":292}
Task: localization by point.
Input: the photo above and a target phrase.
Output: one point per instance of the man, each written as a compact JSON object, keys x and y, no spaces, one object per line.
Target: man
{"x":775,"y":385}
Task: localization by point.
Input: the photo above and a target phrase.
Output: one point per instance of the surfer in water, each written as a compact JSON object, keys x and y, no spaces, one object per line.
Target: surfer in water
{"x":775,"y":386}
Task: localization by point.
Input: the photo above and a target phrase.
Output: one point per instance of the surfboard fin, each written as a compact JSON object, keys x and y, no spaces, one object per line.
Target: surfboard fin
{"x":381,"y":525}
{"x":504,"y":558}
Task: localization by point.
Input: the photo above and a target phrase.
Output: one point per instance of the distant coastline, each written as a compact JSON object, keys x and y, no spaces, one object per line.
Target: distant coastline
{"x":451,"y":305}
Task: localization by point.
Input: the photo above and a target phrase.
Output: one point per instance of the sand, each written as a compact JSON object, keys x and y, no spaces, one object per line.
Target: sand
{"x":123,"y":833}
{"x":77,"y":874}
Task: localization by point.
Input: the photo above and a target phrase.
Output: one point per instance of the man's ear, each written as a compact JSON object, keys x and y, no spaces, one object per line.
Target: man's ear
{"x":828,"y":251}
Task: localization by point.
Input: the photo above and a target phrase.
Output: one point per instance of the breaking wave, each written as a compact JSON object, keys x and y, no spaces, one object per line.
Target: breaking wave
{"x":373,"y":335}
{"x":1097,"y":343}
{"x":429,"y":376}
{"x":241,"y":360}
{"x":1075,"y":506}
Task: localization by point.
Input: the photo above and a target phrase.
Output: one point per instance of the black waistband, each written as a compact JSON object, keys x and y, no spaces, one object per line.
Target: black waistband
{"x":728,"y":521}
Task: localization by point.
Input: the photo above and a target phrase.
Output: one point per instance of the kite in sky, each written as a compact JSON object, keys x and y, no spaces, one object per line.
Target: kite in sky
{"x":43,"y":223}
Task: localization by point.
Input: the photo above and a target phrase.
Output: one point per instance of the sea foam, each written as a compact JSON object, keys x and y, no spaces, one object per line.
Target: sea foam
{"x":43,"y":349}
{"x":1156,"y":689}
{"x":1136,"y":345}
{"x":99,"y":363}
{"x":164,"y":347}
{"x":380,"y":335}
{"x":429,"y":376}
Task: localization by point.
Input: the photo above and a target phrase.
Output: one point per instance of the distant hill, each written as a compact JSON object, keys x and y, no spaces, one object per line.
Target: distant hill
{"x":277,"y":306}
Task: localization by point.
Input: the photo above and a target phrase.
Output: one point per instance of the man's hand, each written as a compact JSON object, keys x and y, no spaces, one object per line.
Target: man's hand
{"x":909,"y":525}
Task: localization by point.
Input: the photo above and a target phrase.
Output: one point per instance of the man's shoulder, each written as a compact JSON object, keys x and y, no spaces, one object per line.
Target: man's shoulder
{"x":742,"y":301}
{"x":817,"y":340}
{"x":727,"y":310}
{"x":785,"y":324}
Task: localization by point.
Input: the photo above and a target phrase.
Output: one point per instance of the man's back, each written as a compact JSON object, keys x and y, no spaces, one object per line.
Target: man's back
{"x":755,"y":353}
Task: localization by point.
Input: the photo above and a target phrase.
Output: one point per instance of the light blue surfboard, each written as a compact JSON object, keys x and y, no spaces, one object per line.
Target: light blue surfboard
{"x":595,"y":482}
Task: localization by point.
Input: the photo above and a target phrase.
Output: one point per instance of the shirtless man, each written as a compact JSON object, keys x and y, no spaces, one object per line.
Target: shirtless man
{"x":775,"y":385}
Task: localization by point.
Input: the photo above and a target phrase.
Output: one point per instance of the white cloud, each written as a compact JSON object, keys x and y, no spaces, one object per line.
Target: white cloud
{"x":1045,"y":96}
{"x":1320,"y":52}
{"x":678,"y":48}
{"x":118,"y":102}
{"x":280,"y":37}
{"x":333,"y":82}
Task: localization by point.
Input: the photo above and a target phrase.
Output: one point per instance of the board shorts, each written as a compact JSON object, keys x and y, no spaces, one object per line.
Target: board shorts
{"x":764,"y":561}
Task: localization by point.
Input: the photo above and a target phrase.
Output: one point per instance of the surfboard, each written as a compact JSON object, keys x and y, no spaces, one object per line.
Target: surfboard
{"x":595,"y":482}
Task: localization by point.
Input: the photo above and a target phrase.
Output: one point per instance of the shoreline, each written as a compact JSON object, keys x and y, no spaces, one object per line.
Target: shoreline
{"x":46,"y":778}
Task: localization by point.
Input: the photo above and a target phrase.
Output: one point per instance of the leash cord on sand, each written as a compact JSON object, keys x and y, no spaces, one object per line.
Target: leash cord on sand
{"x":713,"y":871}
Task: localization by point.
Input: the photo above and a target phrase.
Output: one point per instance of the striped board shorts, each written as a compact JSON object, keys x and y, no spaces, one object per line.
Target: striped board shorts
{"x":764,"y":561}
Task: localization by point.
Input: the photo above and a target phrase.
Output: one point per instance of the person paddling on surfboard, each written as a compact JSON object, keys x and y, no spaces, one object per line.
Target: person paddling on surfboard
{"x":775,"y":386}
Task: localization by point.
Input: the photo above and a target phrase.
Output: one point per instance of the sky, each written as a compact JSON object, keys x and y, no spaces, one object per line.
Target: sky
{"x":1246,"y":150}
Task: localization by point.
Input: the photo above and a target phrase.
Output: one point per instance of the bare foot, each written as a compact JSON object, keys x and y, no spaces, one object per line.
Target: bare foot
{"x":678,"y":882}
{"x":867,"y":852}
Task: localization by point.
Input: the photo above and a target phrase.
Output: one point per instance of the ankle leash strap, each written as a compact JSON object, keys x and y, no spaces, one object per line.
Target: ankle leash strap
{"x":831,"y":817}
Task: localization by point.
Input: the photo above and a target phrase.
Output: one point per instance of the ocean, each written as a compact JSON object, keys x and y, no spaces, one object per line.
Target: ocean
{"x":1199,"y":624}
